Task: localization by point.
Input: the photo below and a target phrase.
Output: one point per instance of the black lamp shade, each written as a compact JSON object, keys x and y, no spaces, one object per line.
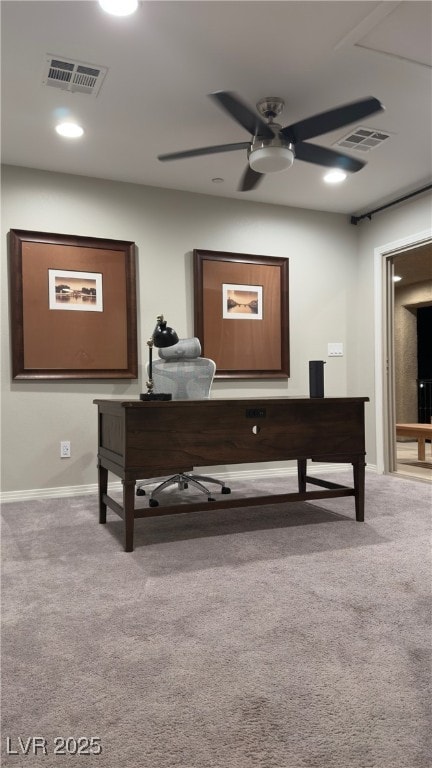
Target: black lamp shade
{"x":164,"y":336}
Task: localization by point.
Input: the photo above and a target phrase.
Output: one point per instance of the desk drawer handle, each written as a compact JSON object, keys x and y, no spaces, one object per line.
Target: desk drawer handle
{"x":256,"y":429}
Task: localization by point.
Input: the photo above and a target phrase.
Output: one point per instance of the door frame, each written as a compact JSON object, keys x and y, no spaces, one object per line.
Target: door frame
{"x":385,"y":429}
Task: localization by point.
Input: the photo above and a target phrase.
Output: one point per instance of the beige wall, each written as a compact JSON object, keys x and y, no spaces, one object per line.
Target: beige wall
{"x":166,"y":226}
{"x":331,"y":299}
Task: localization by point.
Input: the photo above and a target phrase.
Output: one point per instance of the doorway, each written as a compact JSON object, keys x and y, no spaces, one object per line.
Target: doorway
{"x":412,"y":339}
{"x":385,"y":432}
{"x":409,"y":357}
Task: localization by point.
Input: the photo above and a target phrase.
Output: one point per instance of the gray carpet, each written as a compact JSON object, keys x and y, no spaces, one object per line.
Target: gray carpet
{"x":264,"y":637}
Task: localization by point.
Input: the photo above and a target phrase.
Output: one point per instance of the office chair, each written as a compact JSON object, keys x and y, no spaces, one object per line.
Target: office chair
{"x":185,"y":375}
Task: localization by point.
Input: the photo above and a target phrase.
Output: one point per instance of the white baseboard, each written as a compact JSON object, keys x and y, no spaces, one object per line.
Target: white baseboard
{"x":246,"y":474}
{"x":51,"y":493}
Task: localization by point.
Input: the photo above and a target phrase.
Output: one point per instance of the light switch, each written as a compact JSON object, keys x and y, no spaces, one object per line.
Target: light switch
{"x":335,"y":349}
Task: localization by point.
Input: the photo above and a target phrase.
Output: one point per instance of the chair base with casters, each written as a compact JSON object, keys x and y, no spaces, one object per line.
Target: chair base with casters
{"x":183,"y":480}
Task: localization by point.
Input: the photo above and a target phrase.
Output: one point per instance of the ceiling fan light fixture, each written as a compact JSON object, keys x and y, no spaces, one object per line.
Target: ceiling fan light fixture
{"x":271,"y":159}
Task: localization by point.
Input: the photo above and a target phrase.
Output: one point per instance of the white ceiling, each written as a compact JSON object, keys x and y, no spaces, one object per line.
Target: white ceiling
{"x":164,"y":60}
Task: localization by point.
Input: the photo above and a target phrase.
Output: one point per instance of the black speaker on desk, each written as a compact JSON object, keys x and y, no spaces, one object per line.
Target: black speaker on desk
{"x":316,"y":378}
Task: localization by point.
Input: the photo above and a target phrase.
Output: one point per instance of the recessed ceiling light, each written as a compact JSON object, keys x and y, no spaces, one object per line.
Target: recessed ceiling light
{"x":396,"y":278}
{"x":119,"y":7}
{"x":335,"y":176}
{"x":69,"y":130}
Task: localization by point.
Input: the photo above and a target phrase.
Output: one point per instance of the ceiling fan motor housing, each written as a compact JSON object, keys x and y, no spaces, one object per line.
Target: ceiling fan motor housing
{"x":270,"y":106}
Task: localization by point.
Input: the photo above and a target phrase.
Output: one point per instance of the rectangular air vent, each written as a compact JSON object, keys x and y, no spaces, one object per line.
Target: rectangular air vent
{"x":362,"y":139}
{"x":75,"y":76}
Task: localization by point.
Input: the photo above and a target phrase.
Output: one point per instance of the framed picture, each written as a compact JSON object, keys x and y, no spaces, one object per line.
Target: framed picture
{"x":242,"y":302}
{"x":81,"y":291}
{"x":72,"y":307}
{"x":241,"y":313}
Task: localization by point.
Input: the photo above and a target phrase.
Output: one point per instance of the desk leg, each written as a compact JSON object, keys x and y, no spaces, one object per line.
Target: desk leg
{"x":301,"y":474}
{"x":422,"y":449}
{"x":359,"y":488}
{"x":129,"y":513}
{"x":102,"y":489}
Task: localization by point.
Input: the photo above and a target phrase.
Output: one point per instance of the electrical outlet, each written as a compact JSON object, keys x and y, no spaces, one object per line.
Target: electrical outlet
{"x":65,"y":449}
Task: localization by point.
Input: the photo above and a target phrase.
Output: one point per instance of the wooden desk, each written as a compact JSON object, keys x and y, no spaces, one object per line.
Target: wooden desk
{"x":419,"y":432}
{"x":140,"y":439}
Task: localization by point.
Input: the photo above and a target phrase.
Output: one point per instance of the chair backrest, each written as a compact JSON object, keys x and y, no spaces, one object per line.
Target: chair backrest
{"x":184,"y":379}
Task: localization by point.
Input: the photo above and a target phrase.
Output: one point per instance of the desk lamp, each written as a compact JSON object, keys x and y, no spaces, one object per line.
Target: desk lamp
{"x":162,"y":336}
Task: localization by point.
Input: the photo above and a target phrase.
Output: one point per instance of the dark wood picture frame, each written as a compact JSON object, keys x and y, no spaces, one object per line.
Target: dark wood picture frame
{"x":96,"y":341}
{"x":254,"y":344}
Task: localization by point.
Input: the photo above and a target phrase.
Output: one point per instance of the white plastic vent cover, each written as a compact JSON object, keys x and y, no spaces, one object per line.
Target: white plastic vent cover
{"x":362,"y":139}
{"x":75,"y":76}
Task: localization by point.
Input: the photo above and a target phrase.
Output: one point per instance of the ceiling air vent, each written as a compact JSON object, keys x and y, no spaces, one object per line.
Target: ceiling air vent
{"x":362,"y":139}
{"x":75,"y":76}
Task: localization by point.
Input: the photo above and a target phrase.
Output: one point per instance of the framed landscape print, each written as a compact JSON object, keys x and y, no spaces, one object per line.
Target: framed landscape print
{"x":72,"y":307}
{"x":241,"y":313}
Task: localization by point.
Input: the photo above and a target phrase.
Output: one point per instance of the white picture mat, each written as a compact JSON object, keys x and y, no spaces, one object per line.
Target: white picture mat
{"x":234,"y":292}
{"x":76,"y":280}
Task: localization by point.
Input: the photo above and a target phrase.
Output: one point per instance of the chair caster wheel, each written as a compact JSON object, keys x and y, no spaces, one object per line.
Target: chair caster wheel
{"x":140,"y":492}
{"x":153,"y":503}
{"x":225,"y":489}
{"x":210,"y":498}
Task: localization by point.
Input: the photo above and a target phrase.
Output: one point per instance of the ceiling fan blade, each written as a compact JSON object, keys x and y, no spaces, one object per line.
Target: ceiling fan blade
{"x":205,"y":151}
{"x":250,"y":180}
{"x":311,"y":153}
{"x":249,"y":119}
{"x":325,"y":122}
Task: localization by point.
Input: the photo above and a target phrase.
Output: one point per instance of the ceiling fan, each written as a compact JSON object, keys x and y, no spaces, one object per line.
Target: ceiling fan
{"x":273,"y":148}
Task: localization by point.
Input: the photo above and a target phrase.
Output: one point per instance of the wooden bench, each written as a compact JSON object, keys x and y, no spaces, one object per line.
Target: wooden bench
{"x":419,"y":432}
